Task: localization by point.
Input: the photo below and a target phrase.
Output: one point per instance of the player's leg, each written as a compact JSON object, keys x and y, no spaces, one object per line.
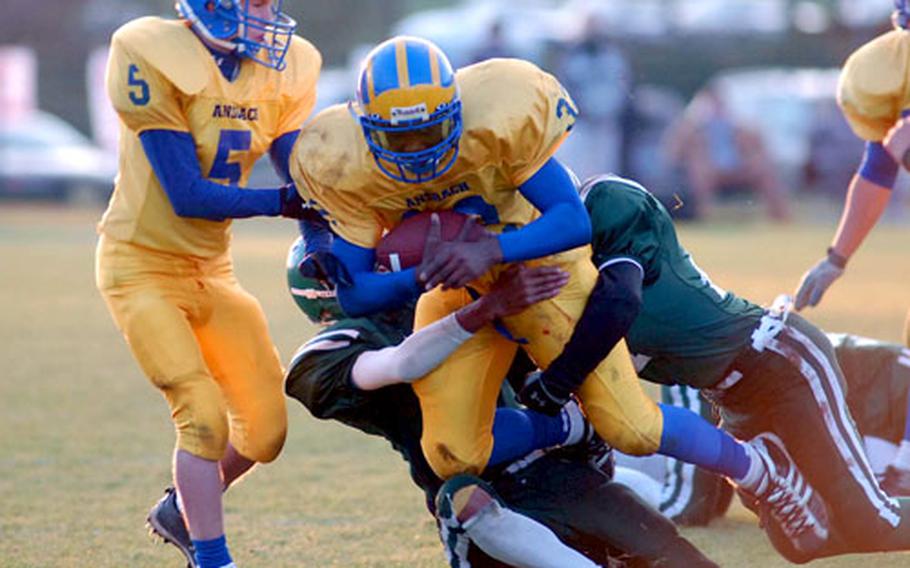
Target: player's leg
{"x":796,"y":390}
{"x":468,"y":509}
{"x":238,"y":350}
{"x":690,"y":495}
{"x":152,"y":311}
{"x":612,"y":397}
{"x":597,"y":514}
{"x":458,"y":399}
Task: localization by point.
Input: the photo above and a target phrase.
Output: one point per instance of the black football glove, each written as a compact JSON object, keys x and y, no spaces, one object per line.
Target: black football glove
{"x":291,"y":203}
{"x":542,"y":395}
{"x":325,"y":267}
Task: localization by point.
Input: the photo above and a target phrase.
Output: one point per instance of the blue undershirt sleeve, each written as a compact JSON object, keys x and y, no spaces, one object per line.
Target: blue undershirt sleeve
{"x":564,"y":224}
{"x":878,"y":166}
{"x":371,"y":291}
{"x":172,"y":156}
{"x":280,"y":154}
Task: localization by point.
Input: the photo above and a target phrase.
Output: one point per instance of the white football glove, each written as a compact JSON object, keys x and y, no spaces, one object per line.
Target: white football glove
{"x":815,"y":283}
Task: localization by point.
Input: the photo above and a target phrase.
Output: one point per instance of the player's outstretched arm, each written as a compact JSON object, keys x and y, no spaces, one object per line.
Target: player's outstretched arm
{"x":867,"y":198}
{"x":172,"y":155}
{"x":424,"y":350}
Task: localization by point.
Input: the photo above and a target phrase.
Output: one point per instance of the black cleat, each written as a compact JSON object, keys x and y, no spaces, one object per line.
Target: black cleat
{"x":793,"y":513}
{"x":166,"y":522}
{"x":896,"y":482}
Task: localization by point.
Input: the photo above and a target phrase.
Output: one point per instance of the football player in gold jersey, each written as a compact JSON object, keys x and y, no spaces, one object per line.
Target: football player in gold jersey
{"x":479,"y":141}
{"x":200,"y":99}
{"x":874,"y":97}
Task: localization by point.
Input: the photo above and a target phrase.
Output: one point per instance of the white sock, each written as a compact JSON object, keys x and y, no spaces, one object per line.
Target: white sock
{"x":521,"y":541}
{"x":902,"y":459}
{"x":573,"y":422}
{"x":752,"y":480}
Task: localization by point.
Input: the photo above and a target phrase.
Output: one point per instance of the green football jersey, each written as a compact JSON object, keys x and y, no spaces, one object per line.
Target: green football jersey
{"x":689,"y":329}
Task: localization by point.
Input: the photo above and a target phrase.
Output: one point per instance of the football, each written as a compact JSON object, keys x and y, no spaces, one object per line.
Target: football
{"x":402,"y":247}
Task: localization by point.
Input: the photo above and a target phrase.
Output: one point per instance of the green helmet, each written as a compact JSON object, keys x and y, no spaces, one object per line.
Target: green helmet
{"x":315,"y":295}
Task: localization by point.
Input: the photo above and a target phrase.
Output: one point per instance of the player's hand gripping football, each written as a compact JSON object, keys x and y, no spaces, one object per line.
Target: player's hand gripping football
{"x":455,"y":263}
{"x":518,"y":287}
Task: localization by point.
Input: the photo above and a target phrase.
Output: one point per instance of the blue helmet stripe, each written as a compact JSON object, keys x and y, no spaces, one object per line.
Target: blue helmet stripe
{"x":446,"y":77}
{"x":418,"y":63}
{"x":385,"y":70}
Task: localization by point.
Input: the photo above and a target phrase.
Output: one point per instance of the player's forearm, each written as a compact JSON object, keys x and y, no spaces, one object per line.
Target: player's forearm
{"x":611,"y":309}
{"x":420,"y":353}
{"x":564,"y":224}
{"x":280,"y":154}
{"x":477,"y":314}
{"x":866,"y":201}
{"x":370,"y":292}
{"x":563,"y":227}
{"x":173,"y":159}
{"x":373,"y":292}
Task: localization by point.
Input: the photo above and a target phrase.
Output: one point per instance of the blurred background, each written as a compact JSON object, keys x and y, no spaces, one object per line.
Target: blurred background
{"x":706,"y":102}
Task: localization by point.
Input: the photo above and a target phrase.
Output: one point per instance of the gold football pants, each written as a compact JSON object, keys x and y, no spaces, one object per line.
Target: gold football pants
{"x":203,"y":341}
{"x":458,"y":399}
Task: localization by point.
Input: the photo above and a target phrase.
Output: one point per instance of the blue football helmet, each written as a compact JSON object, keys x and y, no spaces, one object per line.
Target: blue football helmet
{"x":901,"y":16}
{"x":236,"y":27}
{"x":409,"y":108}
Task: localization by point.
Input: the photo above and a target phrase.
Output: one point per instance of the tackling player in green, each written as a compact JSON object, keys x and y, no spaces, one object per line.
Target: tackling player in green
{"x":773,"y":375}
{"x":878,"y":383}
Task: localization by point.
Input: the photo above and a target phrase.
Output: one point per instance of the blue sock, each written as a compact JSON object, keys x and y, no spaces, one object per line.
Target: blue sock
{"x":518,"y":432}
{"x":690,"y":438}
{"x":212,"y":553}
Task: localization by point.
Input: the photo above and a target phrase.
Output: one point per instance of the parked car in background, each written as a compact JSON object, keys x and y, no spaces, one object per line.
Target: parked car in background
{"x":44,"y":157}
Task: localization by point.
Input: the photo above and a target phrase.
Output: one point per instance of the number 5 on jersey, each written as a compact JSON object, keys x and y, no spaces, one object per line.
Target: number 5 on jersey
{"x":229,"y":141}
{"x":139,"y":89}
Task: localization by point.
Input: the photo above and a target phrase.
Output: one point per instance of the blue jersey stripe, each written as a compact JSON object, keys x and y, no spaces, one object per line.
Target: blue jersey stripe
{"x":385,"y":70}
{"x":419,"y":63}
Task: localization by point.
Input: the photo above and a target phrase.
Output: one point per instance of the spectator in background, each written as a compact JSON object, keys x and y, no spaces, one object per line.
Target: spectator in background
{"x":718,"y":154}
{"x":597,"y":73}
{"x":494,"y":44}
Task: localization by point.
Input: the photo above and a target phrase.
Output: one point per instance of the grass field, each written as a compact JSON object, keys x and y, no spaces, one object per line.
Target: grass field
{"x":84,"y":440}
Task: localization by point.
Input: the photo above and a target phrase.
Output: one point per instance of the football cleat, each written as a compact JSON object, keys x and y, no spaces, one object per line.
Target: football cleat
{"x":793,"y":513}
{"x":896,"y":482}
{"x":167,"y":523}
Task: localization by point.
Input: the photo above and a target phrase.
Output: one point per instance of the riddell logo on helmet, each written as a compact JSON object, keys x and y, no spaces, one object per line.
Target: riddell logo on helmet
{"x":405,"y":114}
